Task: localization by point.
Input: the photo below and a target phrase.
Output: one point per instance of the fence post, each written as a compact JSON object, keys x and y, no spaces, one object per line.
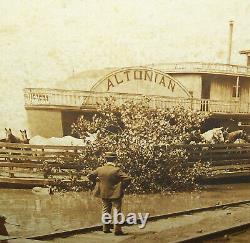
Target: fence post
{"x":75,"y":150}
{"x":191,"y":99}
{"x":43,"y":152}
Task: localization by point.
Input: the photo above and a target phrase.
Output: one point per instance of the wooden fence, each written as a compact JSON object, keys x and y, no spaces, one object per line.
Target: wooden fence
{"x":218,"y":153}
{"x":24,"y":160}
{"x":34,"y":165}
{"x":38,"y":154}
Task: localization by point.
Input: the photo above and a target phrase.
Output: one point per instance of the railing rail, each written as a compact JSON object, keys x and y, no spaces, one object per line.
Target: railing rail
{"x":200,"y":67}
{"x":89,"y":99}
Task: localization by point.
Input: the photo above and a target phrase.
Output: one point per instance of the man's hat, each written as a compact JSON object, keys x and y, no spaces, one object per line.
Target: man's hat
{"x":2,"y":218}
{"x":110,"y":155}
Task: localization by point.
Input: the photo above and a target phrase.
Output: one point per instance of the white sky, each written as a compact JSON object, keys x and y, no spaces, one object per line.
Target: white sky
{"x":42,"y":41}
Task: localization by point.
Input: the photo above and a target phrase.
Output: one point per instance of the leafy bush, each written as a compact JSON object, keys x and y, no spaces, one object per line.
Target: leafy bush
{"x":147,"y":143}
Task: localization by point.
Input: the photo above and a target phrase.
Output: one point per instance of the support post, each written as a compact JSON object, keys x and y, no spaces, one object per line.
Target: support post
{"x":230,"y":40}
{"x":237,"y":88}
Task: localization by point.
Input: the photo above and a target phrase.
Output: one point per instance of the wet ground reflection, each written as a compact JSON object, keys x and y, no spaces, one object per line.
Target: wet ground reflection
{"x":40,"y":214}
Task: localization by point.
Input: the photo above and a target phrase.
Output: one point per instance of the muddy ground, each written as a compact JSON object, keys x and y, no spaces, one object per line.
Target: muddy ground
{"x":172,"y":229}
{"x":41,"y":213}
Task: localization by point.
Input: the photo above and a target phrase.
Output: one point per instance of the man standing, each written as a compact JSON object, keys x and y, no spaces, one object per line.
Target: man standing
{"x":110,"y":185}
{"x":3,"y":230}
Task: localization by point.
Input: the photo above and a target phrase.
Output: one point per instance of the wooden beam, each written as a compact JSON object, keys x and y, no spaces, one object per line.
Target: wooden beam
{"x":237,"y":87}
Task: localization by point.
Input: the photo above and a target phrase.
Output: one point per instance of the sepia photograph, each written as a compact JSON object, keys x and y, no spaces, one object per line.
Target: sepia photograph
{"x":124,"y":121}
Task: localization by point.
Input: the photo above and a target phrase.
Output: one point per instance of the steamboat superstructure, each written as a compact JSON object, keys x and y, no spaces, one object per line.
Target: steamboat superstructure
{"x":222,"y":89}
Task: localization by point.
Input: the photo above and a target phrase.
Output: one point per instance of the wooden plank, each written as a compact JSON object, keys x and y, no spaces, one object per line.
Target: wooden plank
{"x":226,"y":156}
{"x":231,"y":162}
{"x":35,"y":152}
{"x":40,"y":165}
{"x":26,"y":181}
{"x":212,"y":154}
{"x":225,"y":162}
{"x":40,"y":174}
{"x":233,"y":155}
{"x":36,"y":158}
{"x":21,"y":145}
{"x":30,"y":182}
{"x":231,"y":150}
{"x":26,"y":157}
{"x":231,"y":167}
{"x":20,"y":165}
{"x":221,"y":150}
{"x":210,"y":146}
{"x":229,"y":174}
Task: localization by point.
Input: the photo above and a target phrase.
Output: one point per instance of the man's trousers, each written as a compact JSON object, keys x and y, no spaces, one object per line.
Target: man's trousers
{"x":107,"y":207}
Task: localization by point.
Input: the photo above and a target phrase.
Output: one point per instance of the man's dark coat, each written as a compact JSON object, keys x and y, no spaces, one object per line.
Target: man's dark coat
{"x":110,"y":181}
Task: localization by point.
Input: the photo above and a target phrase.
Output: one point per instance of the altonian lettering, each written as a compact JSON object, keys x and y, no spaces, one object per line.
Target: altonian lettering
{"x":140,"y":75}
